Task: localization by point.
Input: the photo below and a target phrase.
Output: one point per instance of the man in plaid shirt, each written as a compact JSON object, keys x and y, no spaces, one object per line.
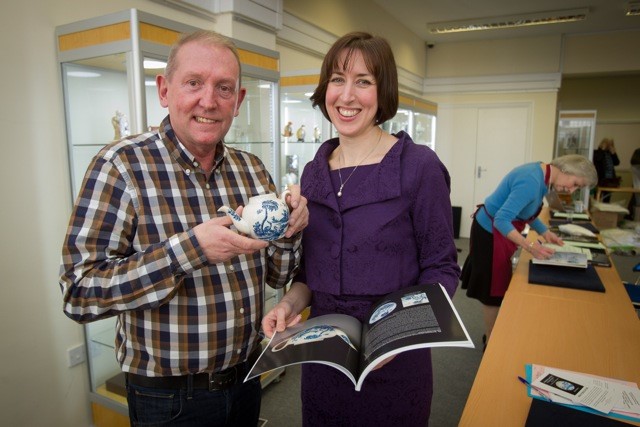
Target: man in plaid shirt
{"x":145,"y":243}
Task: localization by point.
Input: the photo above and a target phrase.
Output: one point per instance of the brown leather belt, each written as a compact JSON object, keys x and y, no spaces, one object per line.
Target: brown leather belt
{"x":212,"y":381}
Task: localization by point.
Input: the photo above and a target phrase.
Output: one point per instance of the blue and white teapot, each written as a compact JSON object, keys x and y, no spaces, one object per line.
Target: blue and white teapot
{"x":265,"y":217}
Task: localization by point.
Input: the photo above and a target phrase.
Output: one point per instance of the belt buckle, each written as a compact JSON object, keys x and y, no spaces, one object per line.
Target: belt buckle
{"x":222,"y":380}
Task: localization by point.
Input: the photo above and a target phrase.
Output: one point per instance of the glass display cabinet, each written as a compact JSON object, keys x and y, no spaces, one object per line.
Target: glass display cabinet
{"x":575,"y":135}
{"x":417,"y":118}
{"x":414,"y":116}
{"x":108,"y":68}
{"x":302,"y":127}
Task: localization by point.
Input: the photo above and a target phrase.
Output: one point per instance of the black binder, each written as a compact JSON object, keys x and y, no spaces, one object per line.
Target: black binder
{"x":565,"y":277}
{"x":547,"y":414}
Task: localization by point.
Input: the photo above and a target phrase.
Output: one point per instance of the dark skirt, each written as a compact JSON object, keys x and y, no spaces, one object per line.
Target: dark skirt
{"x":476,"y":271}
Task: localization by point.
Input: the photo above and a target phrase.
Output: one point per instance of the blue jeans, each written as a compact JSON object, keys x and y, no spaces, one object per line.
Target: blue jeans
{"x":238,"y":405}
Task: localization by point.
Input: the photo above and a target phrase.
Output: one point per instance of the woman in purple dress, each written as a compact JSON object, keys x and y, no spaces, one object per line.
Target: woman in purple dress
{"x":380,"y":220}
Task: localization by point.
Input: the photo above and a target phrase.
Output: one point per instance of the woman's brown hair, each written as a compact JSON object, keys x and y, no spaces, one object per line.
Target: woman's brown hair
{"x":378,"y":57}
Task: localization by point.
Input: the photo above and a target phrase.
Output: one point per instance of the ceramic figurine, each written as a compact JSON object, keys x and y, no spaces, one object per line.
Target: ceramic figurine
{"x":300,"y":134}
{"x":288,"y":130}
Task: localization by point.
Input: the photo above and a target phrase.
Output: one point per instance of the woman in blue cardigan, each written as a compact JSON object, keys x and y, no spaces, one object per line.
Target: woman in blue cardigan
{"x":496,"y":231}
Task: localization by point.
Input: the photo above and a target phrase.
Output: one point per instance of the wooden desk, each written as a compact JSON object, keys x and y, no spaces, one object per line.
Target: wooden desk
{"x":581,"y":331}
{"x":599,"y":190}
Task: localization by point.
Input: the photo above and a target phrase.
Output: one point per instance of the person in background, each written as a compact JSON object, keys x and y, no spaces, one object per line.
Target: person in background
{"x":146,"y":244}
{"x":635,"y":171}
{"x":380,"y":220}
{"x":605,"y":159}
{"x":496,"y":230}
{"x":634,"y":203}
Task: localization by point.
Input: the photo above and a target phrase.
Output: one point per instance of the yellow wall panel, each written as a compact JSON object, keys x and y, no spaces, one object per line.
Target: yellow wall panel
{"x":309,"y":80}
{"x":95,"y":36}
{"x":160,"y":35}
{"x":257,"y":60}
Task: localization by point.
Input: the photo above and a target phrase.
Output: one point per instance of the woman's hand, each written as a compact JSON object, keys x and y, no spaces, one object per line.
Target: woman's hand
{"x":279,"y":318}
{"x":552,"y":237}
{"x":539,"y":251}
{"x":299,"y":217}
{"x":384,"y":362}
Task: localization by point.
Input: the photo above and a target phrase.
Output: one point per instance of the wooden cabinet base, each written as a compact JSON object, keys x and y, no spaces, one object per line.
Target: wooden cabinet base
{"x":105,"y":417}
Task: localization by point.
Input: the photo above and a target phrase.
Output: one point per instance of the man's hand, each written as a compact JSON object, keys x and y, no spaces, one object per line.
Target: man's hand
{"x":221,"y":244}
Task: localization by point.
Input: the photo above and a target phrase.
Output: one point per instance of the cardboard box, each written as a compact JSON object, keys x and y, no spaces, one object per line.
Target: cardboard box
{"x":604,"y":220}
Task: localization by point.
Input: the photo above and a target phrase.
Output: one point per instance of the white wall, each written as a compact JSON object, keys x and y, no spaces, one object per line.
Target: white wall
{"x":36,"y":387}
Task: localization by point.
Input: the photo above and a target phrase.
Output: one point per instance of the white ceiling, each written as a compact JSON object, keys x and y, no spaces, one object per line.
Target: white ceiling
{"x":603,"y":15}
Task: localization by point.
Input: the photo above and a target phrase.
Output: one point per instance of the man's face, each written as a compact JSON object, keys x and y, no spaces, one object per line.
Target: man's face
{"x":203,"y":95}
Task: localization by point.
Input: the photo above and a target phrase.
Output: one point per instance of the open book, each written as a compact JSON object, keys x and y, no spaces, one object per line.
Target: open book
{"x":412,"y":318}
{"x":566,"y":256}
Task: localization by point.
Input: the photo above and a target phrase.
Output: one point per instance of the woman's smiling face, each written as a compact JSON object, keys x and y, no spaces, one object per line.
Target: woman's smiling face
{"x":352,"y":97}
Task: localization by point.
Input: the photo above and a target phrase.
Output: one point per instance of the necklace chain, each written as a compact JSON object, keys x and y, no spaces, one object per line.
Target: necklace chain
{"x":342,"y":184}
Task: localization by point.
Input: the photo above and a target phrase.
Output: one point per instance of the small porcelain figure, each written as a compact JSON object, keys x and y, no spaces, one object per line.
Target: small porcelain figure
{"x":120,"y":125}
{"x":265,"y":217}
{"x":288,"y":130}
{"x":316,"y":134}
{"x":301,"y":133}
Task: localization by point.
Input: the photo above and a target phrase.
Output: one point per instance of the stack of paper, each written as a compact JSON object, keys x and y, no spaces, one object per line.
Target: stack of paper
{"x":587,"y":392}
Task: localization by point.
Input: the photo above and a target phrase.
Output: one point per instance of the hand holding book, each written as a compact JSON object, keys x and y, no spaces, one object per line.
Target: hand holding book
{"x":418,"y":317}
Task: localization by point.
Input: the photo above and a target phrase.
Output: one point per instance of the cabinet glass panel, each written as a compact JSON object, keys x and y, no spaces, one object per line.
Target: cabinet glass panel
{"x":303,"y":130}
{"x":575,"y":135}
{"x":419,"y":125}
{"x":402,"y":121}
{"x":252,"y":130}
{"x":424,"y":131}
{"x":155,"y":112}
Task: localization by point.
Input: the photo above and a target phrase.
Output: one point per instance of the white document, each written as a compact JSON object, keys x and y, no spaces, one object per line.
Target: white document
{"x":628,"y":402}
{"x":581,"y":389}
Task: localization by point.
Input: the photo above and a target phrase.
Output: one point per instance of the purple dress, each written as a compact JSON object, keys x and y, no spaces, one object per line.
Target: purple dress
{"x":391,"y":229}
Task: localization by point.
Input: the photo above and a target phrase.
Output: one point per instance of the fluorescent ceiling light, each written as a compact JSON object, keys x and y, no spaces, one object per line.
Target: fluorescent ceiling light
{"x":149,"y":82}
{"x":291,"y":101}
{"x":83,"y":74}
{"x":308,"y":94}
{"x":523,"y":20}
{"x":264,"y":86}
{"x":152,"y":64}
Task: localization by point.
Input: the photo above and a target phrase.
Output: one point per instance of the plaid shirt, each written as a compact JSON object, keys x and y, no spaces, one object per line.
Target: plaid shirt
{"x":130,"y":252}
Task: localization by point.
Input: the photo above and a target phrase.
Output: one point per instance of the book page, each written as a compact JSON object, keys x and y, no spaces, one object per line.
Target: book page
{"x":564,"y":259}
{"x":417,"y":317}
{"x":332,"y":339}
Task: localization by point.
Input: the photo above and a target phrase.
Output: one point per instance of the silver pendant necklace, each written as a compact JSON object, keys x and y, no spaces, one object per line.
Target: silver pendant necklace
{"x":342,"y":184}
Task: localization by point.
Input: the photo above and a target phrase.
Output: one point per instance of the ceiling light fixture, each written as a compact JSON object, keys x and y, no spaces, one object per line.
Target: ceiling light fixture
{"x":83,"y":74}
{"x":153,"y":64}
{"x":514,"y":21}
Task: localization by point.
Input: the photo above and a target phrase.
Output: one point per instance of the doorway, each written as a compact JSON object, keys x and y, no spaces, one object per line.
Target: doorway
{"x":483,"y":143}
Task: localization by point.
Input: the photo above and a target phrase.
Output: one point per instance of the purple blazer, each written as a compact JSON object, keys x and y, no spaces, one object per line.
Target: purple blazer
{"x":395,"y":229}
